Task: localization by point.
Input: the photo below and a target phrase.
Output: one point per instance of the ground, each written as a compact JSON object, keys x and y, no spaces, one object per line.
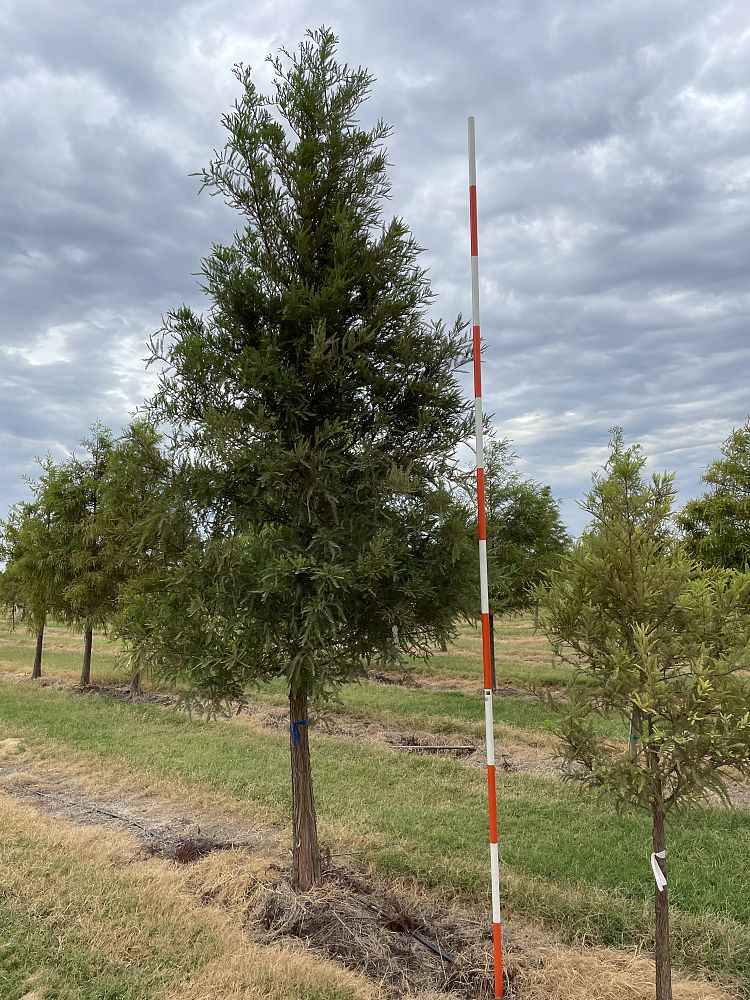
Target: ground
{"x":145,"y":853}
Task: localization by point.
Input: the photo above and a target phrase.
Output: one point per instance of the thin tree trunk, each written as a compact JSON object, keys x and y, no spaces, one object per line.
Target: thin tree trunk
{"x":662,"y":951}
{"x":88,"y":638}
{"x":397,"y":645}
{"x":37,"y":669}
{"x":635,"y":732}
{"x":135,"y":684}
{"x":306,"y":865}
{"x":443,"y":646}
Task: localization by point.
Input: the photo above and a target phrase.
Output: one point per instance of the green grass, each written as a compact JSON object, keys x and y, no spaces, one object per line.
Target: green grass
{"x":62,"y":654}
{"x":419,"y":708}
{"x":457,"y":667}
{"x":61,"y":663}
{"x":51,"y":906}
{"x":567,"y":857}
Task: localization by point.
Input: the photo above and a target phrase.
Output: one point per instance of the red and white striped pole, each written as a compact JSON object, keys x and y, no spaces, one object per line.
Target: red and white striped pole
{"x":497,"y":931}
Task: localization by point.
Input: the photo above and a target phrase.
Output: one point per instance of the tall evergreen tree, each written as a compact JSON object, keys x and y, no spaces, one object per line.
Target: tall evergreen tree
{"x":662,"y":644}
{"x":140,"y":537}
{"x":316,"y":413}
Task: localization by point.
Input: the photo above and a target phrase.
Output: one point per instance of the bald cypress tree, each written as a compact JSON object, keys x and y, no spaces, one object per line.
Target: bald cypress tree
{"x":316,"y":413}
{"x":658,"y":642}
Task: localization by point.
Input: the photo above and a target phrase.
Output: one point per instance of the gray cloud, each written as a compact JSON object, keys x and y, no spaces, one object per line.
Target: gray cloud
{"x":614,"y":174}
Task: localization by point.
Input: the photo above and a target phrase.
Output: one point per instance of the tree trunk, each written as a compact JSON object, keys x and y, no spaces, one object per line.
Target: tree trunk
{"x":306,"y":866}
{"x":663,"y":959}
{"x":443,"y":646}
{"x":135,"y":684}
{"x":635,"y":732}
{"x":397,"y":646}
{"x":88,"y":638}
{"x":37,"y":669}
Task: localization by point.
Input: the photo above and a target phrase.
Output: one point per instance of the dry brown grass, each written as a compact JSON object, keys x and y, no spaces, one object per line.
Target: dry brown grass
{"x":161,"y":902}
{"x":606,"y":974}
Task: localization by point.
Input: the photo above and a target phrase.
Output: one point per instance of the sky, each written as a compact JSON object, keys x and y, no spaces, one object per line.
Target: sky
{"x":613,"y":145}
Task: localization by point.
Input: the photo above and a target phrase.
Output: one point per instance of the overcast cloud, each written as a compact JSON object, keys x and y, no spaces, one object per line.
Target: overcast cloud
{"x":613,"y":188}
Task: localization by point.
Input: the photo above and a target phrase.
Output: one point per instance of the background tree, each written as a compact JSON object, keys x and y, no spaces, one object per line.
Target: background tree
{"x":716,"y":526}
{"x":29,"y":544}
{"x":525,"y":536}
{"x":88,"y":577}
{"x":140,"y":537}
{"x":316,"y":413}
{"x":661,"y":644}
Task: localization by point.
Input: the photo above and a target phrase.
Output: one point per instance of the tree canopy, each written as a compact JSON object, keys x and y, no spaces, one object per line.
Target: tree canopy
{"x":525,"y":536}
{"x":716,"y":525}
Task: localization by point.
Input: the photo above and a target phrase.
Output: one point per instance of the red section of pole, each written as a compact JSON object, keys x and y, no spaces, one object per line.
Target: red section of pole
{"x":477,"y":363}
{"x":497,"y":935}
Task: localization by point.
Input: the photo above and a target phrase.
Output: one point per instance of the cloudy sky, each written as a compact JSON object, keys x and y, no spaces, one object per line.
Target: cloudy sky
{"x":614,"y":204}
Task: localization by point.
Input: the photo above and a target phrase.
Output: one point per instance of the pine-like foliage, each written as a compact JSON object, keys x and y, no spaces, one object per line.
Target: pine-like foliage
{"x":525,"y":536}
{"x":658,"y":642}
{"x":315,"y":407}
{"x":717,"y":524}
{"x":29,"y":543}
{"x":316,"y":413}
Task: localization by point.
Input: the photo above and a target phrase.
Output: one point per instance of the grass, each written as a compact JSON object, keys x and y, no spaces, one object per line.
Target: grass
{"x":567,"y":858}
{"x":435,"y":711}
{"x":74,"y":929}
{"x":81,"y":920}
{"x":508,"y":670}
{"x":62,"y":655}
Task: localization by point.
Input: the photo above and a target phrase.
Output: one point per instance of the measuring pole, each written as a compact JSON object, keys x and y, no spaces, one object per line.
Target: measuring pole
{"x":497,"y":931}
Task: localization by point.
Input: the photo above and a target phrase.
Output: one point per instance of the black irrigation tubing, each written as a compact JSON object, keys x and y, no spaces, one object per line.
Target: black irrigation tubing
{"x":91,"y":809}
{"x":428,"y":746}
{"x":416,"y":934}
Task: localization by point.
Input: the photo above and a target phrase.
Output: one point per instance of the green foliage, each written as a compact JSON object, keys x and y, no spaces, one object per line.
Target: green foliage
{"x":30,"y":541}
{"x":315,"y":408}
{"x":717,"y":525}
{"x":142,"y":535}
{"x":661,"y":642}
{"x":87,"y":576}
{"x":525,"y":537}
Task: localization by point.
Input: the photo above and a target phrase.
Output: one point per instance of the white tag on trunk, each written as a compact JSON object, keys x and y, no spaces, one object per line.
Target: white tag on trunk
{"x":659,"y":876}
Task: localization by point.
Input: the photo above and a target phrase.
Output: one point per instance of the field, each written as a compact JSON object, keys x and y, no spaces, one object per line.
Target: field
{"x":144,"y":852}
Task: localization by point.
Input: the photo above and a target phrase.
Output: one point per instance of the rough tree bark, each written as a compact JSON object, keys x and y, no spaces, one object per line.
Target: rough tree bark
{"x":662,"y":951}
{"x":135,"y":685}
{"x":88,"y":638}
{"x":306,"y":864}
{"x":37,"y":669}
